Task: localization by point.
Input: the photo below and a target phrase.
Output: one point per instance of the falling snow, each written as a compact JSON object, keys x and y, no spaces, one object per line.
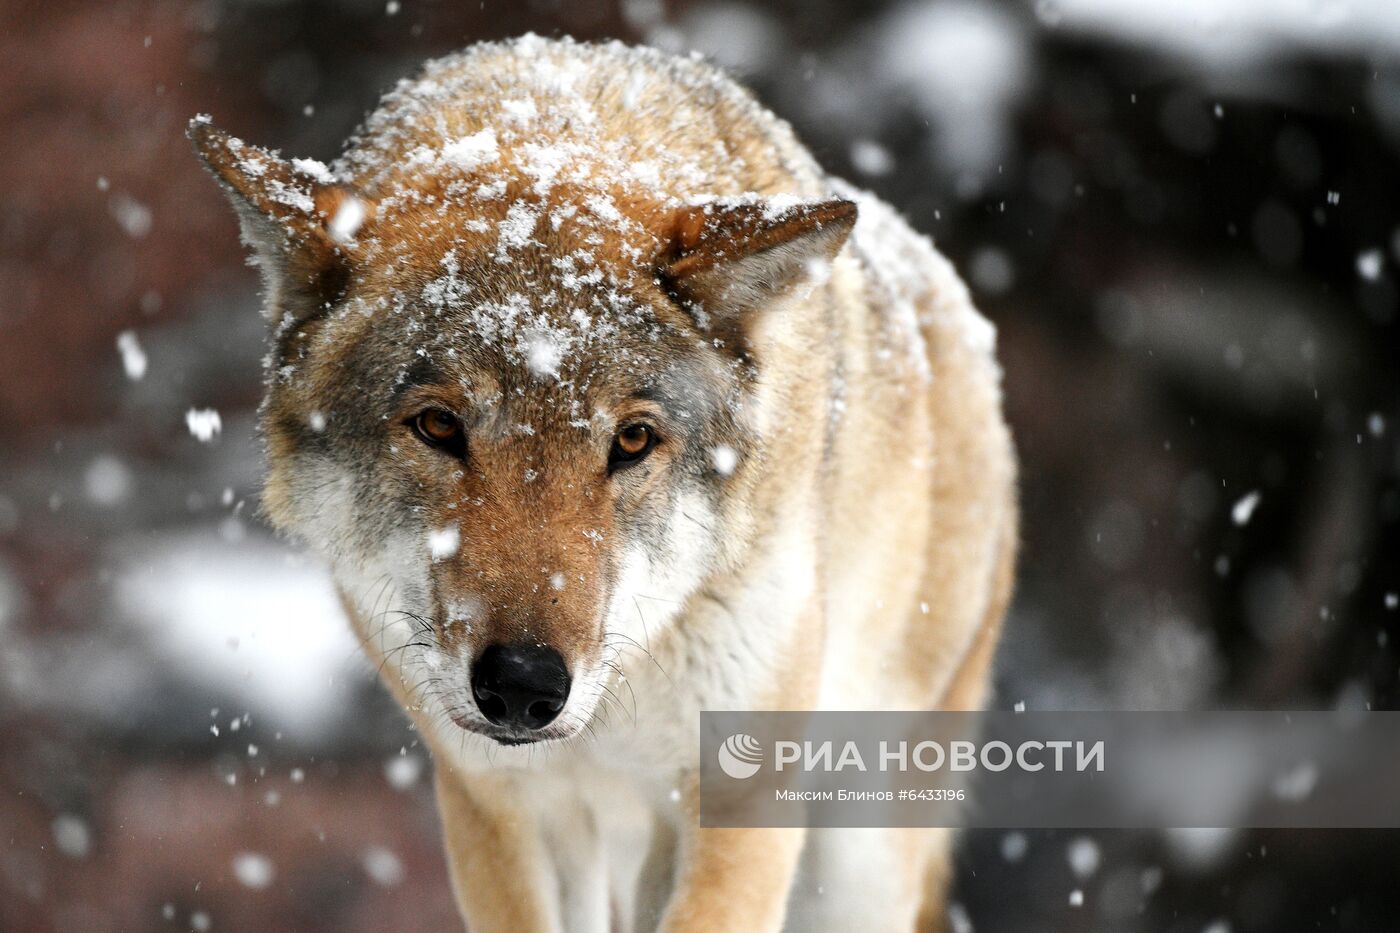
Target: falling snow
{"x":403,"y":771}
{"x":204,"y":424}
{"x":347,"y":220}
{"x":1369,"y":264}
{"x":443,"y":542}
{"x":72,"y":836}
{"x":133,"y":357}
{"x":1243,"y":509}
{"x":724,"y":459}
{"x":253,"y":870}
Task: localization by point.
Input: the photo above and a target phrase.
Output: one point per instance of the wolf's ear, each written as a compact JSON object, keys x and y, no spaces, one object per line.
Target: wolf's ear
{"x":728,"y":259}
{"x":298,"y":221}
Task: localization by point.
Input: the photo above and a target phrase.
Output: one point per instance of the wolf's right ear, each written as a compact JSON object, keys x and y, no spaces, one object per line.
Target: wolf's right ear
{"x":298,"y":221}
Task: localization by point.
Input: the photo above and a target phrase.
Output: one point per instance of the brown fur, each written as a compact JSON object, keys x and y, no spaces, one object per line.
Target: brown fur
{"x":694,"y":262}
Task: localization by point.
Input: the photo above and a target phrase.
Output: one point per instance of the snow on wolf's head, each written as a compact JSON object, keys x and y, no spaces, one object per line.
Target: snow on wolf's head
{"x":511,"y":378}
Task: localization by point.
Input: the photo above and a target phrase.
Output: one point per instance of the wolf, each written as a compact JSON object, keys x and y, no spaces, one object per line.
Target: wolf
{"x":605,"y":405}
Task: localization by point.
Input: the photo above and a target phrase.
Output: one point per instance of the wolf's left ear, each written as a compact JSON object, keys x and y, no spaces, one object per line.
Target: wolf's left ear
{"x":298,"y":221}
{"x":727,"y":259}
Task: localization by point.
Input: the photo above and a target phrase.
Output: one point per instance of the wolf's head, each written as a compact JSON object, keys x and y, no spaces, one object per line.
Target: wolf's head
{"x":511,"y":412}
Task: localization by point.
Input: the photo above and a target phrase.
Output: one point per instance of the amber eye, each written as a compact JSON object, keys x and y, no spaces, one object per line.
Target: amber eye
{"x":439,"y":428}
{"x":631,"y":444}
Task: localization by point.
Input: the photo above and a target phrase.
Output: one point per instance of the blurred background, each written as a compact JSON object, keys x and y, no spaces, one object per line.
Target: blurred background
{"x":1182,"y":216}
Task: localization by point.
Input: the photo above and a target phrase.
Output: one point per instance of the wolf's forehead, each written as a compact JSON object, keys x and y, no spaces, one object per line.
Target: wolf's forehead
{"x":530,"y":349}
{"x":546,"y":314}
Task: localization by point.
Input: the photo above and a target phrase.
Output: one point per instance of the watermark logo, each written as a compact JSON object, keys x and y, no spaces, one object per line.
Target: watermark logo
{"x":740,"y":756}
{"x":1103,"y":769}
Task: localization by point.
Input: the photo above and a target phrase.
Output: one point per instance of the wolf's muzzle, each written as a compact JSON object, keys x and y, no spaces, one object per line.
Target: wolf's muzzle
{"x":520,"y":686}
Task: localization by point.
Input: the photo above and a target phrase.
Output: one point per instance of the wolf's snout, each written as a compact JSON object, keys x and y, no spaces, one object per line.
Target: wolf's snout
{"x":521,"y":686}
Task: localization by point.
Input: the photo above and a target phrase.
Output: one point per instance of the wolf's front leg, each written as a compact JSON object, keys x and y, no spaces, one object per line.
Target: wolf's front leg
{"x":733,"y":879}
{"x":501,"y":868}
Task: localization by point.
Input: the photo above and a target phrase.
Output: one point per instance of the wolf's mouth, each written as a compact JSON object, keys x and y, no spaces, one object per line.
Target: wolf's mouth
{"x":516,"y":739}
{"x":508,"y":737}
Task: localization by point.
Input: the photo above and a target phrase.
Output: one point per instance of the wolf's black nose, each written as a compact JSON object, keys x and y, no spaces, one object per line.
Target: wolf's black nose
{"x":520,"y":686}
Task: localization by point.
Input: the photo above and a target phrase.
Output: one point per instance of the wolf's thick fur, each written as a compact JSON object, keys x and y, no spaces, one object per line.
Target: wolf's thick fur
{"x":550,"y":241}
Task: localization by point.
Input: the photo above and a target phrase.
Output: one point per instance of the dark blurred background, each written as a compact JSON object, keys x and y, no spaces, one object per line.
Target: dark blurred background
{"x":1182,"y":217}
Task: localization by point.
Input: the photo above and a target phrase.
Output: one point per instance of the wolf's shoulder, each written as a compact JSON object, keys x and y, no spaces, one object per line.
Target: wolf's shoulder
{"x":913,"y":283}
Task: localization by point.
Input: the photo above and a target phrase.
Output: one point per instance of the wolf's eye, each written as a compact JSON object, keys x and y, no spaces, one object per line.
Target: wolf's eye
{"x":631,"y":444}
{"x":440,"y":429}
